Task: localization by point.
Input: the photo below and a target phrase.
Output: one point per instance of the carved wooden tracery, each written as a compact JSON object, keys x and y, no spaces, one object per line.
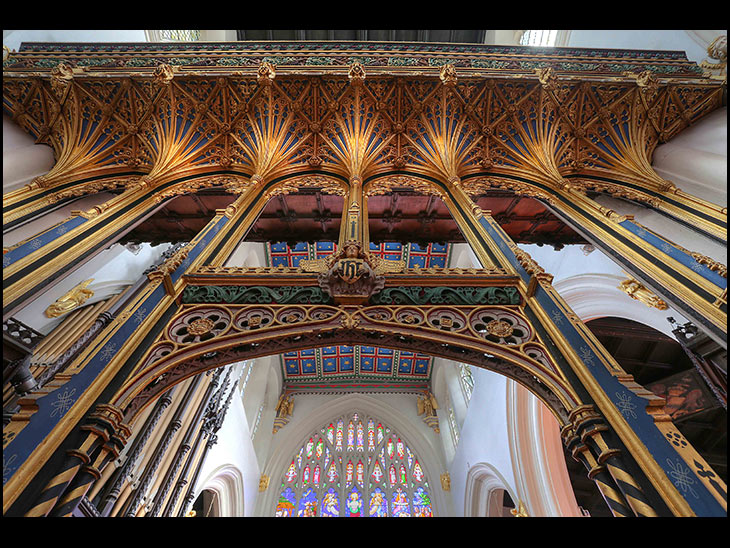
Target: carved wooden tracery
{"x":546,"y":126}
{"x":494,"y":337}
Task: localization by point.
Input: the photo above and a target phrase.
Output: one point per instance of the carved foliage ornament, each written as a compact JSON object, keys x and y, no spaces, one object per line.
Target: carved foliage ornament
{"x":327,"y":185}
{"x":480,"y":185}
{"x":385,"y":185}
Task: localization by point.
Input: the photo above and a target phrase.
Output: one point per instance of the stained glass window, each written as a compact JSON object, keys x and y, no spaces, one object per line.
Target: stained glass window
{"x":354,"y":466}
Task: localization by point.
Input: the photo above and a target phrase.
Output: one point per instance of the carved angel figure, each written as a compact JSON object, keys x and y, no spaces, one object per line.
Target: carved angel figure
{"x":73,"y":299}
{"x":285,"y":406}
{"x":427,"y":404}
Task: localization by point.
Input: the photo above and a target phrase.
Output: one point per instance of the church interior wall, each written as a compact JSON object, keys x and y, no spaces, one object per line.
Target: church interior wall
{"x":398,"y":411}
{"x":234,"y":451}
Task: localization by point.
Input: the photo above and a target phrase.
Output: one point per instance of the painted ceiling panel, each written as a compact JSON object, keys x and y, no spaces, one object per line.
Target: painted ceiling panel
{"x":360,"y":364}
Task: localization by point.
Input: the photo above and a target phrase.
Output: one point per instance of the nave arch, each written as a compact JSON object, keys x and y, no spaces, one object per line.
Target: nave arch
{"x":485,"y":488}
{"x":226,"y":481}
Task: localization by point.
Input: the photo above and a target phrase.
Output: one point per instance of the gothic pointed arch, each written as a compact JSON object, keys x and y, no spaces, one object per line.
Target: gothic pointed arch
{"x":422,"y":445}
{"x":355,"y":466}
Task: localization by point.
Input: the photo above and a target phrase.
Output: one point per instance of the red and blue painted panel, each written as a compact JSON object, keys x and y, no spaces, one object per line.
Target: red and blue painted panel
{"x":362,"y":362}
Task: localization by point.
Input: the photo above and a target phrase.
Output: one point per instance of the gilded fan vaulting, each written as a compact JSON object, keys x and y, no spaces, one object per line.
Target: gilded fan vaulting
{"x":331,"y":128}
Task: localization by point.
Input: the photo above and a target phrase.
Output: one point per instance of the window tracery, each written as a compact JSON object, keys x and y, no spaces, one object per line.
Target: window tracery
{"x":173,"y":35}
{"x":466,"y":379}
{"x":539,"y":38}
{"x":454,"y":426}
{"x":354,"y":466}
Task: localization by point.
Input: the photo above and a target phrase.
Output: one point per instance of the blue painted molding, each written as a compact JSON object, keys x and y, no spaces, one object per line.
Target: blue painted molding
{"x":53,"y":406}
{"x":42,"y":239}
{"x":675,"y":253}
{"x":631,"y":406}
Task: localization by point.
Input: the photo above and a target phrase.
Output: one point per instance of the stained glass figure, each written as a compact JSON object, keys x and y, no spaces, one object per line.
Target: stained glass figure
{"x":330,"y":504}
{"x":291,"y":473}
{"x":377,"y":473}
{"x":371,"y":436}
{"x":332,"y":473}
{"x":331,"y":433}
{"x":360,"y":474}
{"x":360,"y":437}
{"x":305,"y":475}
{"x":348,"y":474}
{"x":403,"y":475}
{"x":417,"y":472}
{"x":354,"y":504}
{"x":315,"y":476}
{"x":350,"y":437}
{"x":308,"y":504}
{"x":421,"y":503}
{"x":380,"y":433}
{"x":338,"y":436}
{"x":286,"y":504}
{"x":391,"y":475}
{"x":320,"y":449}
{"x":399,"y":504}
{"x":378,"y":504}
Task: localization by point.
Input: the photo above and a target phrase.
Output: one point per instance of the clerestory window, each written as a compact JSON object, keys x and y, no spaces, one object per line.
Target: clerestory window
{"x":173,"y":35}
{"x":539,"y":38}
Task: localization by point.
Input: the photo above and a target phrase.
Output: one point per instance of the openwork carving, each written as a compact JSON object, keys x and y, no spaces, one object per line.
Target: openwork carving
{"x":410,"y":316}
{"x":388,"y":184}
{"x":254,"y":318}
{"x":617,"y":191}
{"x":447,"y":320}
{"x":478,"y":186}
{"x":450,"y":331}
{"x":199,"y":324}
{"x":501,"y":326}
{"x":328,"y":185}
{"x":447,"y":295}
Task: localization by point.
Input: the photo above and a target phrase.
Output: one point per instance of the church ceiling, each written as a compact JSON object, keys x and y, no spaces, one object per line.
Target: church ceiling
{"x":357,"y":367}
{"x":399,"y":216}
{"x":350,"y":109}
{"x":444,"y":36}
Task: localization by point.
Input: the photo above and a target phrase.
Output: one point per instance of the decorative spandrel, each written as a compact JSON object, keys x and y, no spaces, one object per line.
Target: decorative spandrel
{"x":354,"y":466}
